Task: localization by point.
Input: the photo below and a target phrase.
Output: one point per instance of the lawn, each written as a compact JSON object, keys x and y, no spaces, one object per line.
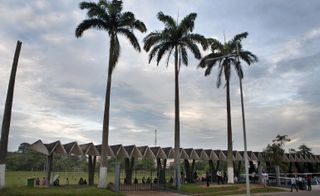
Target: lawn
{"x":16,"y":185}
{"x":52,"y":191}
{"x":18,"y":178}
{"x":199,"y":189}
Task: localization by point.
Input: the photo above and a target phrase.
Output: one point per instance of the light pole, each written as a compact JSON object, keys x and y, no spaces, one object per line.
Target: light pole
{"x":246,"y":162}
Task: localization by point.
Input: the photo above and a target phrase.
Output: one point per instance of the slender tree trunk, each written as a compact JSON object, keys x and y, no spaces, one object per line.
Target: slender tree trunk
{"x":49,"y":167}
{"x":192,"y":171}
{"x":105,"y":128}
{"x":230,"y":154}
{"x":7,"y":116}
{"x":187,"y":169}
{"x":177,"y":124}
{"x":89,"y":169}
{"x":277,"y":170}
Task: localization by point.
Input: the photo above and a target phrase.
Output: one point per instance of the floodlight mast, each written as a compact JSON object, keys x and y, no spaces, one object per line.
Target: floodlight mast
{"x":246,"y":162}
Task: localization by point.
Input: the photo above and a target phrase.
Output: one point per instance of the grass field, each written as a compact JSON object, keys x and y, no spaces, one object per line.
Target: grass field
{"x":17,"y":181}
{"x":225,"y":189}
{"x":18,"y":178}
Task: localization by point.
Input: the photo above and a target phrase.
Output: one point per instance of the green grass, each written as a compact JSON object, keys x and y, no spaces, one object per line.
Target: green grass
{"x":224,"y":189}
{"x":195,"y":188}
{"x":19,"y":178}
{"x":78,"y":191}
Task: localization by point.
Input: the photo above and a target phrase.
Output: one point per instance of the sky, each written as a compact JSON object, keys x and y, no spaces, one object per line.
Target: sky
{"x":61,"y":80}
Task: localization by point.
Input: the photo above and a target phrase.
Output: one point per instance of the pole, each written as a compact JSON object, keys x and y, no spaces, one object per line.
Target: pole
{"x":246,"y":162}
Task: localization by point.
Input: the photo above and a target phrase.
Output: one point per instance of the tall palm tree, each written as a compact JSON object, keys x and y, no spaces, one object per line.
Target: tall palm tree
{"x":224,"y":55}
{"x":177,"y":38}
{"x":7,"y":116}
{"x":108,"y":16}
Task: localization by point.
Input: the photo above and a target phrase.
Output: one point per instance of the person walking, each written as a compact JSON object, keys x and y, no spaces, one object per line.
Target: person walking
{"x":293,"y":183}
{"x":265,"y":177}
{"x":309,"y":178}
{"x":219,"y":175}
{"x":207,"y":178}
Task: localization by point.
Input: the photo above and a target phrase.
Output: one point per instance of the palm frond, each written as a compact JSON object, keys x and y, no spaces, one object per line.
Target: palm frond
{"x":140,"y":26}
{"x":199,"y":39}
{"x":216,"y":45}
{"x":239,"y":37}
{"x":193,"y":48}
{"x":151,"y":39}
{"x":187,"y":23}
{"x":165,"y":48}
{"x":219,"y":75}
{"x":90,"y":23}
{"x":115,"y":51}
{"x":131,"y":37}
{"x":154,"y":51}
{"x":184,"y":55}
{"x":167,"y":20}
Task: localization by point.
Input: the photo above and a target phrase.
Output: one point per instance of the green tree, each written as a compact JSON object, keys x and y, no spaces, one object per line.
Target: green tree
{"x":108,"y":16}
{"x":304,"y":150}
{"x":224,"y":56}
{"x":175,"y":38}
{"x":274,"y":153}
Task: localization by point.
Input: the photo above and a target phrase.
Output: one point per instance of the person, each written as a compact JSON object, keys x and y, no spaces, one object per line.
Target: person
{"x":293,"y":184}
{"x":309,"y":182}
{"x":148,"y":180}
{"x":195,"y":176}
{"x":143,"y":180}
{"x":207,"y":178}
{"x":171,"y":180}
{"x":56,"y":182}
{"x":235,"y":179}
{"x":155,"y":180}
{"x":264,"y":179}
{"x":44,"y":181}
{"x":67,"y":181}
{"x":135,"y":181}
{"x":37,"y":182}
{"x":254,"y":177}
{"x":80,"y":181}
{"x":84,"y":181}
{"x":219,"y":175}
{"x":225,"y":177}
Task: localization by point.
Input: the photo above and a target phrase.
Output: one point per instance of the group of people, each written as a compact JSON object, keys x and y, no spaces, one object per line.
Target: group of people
{"x":82,"y":181}
{"x":43,"y":182}
{"x":301,"y":183}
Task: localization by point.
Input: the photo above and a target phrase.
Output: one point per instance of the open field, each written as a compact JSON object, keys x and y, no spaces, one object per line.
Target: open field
{"x":16,"y":185}
{"x":196,"y":189}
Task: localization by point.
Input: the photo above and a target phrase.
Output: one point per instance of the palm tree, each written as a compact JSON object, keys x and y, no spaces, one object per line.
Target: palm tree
{"x":224,"y":55}
{"x":176,"y":37}
{"x":108,"y":16}
{"x":7,"y":116}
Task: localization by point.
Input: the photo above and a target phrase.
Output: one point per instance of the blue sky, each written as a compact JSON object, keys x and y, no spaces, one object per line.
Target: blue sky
{"x":60,"y":83}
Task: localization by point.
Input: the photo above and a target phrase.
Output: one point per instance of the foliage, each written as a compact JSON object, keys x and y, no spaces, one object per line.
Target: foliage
{"x":177,"y":37}
{"x":33,"y":161}
{"x":224,"y":55}
{"x":274,"y":153}
{"x":304,"y":150}
{"x":108,"y":16}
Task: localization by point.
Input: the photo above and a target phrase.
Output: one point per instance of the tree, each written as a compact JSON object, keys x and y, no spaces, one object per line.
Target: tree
{"x":178,"y":38}
{"x":224,"y":55}
{"x":7,"y":116}
{"x":274,"y":153}
{"x":304,"y":150}
{"x":108,"y":16}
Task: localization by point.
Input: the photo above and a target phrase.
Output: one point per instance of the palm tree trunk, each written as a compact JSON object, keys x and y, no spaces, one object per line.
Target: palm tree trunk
{"x":229,"y":161}
{"x":7,"y":116}
{"x":105,"y":129}
{"x":177,"y":123}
